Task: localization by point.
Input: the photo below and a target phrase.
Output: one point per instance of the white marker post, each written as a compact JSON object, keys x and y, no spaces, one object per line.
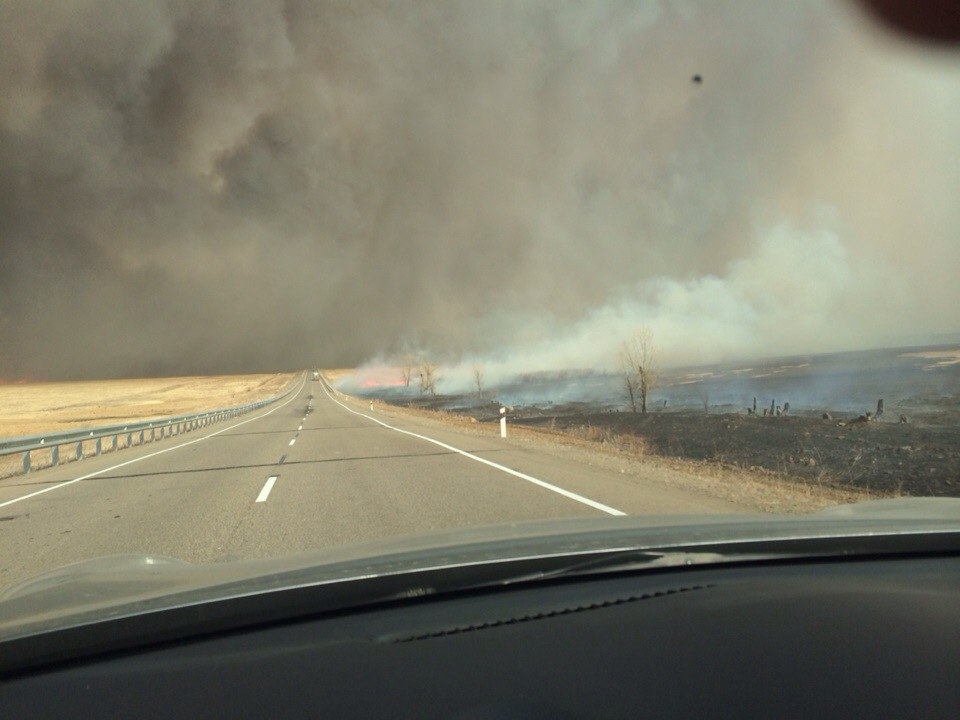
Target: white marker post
{"x":371,"y":406}
{"x":503,"y":422}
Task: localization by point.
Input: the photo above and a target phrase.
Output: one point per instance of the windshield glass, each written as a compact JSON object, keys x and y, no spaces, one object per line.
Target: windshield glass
{"x":284,"y":277}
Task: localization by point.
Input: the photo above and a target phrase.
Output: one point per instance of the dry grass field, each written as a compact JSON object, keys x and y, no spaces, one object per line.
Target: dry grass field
{"x":34,"y":408}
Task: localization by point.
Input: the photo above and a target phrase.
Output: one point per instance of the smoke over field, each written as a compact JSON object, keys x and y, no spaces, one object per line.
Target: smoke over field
{"x":192,"y":186}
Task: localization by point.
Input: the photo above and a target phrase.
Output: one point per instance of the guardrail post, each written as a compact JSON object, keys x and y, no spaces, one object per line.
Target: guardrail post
{"x":78,"y":451}
{"x":129,"y":439}
{"x":141,"y":437}
{"x":55,"y":455}
{"x":25,"y":462}
{"x":113,"y":443}
{"x":99,"y":446}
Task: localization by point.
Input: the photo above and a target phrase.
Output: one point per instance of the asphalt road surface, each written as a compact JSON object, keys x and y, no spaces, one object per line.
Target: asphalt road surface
{"x":310,"y":471}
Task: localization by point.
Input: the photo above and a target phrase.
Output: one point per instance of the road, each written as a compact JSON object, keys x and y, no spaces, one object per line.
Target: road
{"x":310,"y":471}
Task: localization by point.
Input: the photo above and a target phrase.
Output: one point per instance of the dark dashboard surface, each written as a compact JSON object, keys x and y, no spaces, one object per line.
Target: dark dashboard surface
{"x":878,"y":638}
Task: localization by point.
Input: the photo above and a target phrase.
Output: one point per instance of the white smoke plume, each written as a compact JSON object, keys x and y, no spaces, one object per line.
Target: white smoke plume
{"x":200,"y":186}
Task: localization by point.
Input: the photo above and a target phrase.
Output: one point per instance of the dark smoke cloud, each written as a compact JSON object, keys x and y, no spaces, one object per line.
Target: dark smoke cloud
{"x":201,"y":186}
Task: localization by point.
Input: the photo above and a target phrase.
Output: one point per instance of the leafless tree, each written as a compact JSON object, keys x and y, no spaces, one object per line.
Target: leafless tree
{"x":406,"y":363}
{"x":428,"y":377}
{"x":704,"y":396}
{"x":629,"y":389}
{"x":478,"y":380}
{"x":638,"y":366}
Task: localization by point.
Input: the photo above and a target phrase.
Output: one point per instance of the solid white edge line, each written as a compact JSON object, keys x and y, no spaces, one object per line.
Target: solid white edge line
{"x":503,"y":468}
{"x":267,"y":487}
{"x":150,"y":455}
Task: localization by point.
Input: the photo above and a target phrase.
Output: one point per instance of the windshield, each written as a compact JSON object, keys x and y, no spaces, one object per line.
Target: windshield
{"x":284,"y":277}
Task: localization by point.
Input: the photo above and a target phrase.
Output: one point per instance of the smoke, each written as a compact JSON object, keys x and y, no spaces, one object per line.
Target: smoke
{"x":195,"y":186}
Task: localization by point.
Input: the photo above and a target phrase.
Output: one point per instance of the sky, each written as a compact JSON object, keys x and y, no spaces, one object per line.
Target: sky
{"x":197,"y":187}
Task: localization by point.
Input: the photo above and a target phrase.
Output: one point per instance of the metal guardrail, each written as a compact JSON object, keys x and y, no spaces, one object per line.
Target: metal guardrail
{"x":138,"y":433}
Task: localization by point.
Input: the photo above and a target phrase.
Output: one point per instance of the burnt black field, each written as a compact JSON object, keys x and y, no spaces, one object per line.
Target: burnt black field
{"x":701,"y":413}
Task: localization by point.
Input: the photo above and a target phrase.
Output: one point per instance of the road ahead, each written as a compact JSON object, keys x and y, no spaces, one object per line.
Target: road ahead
{"x":308,"y":472}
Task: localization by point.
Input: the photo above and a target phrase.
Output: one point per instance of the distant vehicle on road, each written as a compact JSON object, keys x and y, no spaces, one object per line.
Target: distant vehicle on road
{"x":316,"y":375}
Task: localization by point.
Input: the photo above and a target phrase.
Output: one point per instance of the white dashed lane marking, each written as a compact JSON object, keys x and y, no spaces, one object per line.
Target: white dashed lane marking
{"x":267,"y":487}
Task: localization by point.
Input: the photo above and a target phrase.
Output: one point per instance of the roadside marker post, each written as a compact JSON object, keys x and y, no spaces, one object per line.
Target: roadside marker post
{"x":503,"y":422}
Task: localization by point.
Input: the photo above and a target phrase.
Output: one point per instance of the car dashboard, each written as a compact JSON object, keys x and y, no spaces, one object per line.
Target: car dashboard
{"x":876,"y":637}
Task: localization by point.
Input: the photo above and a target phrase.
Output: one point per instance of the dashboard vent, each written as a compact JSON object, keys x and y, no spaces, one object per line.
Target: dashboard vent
{"x":500,"y":622}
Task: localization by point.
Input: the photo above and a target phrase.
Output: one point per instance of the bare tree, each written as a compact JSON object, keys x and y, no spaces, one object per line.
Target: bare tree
{"x":630,"y":390}
{"x":428,"y":377}
{"x":406,"y":368}
{"x":704,"y":396}
{"x":478,"y":380}
{"x":638,"y":366}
